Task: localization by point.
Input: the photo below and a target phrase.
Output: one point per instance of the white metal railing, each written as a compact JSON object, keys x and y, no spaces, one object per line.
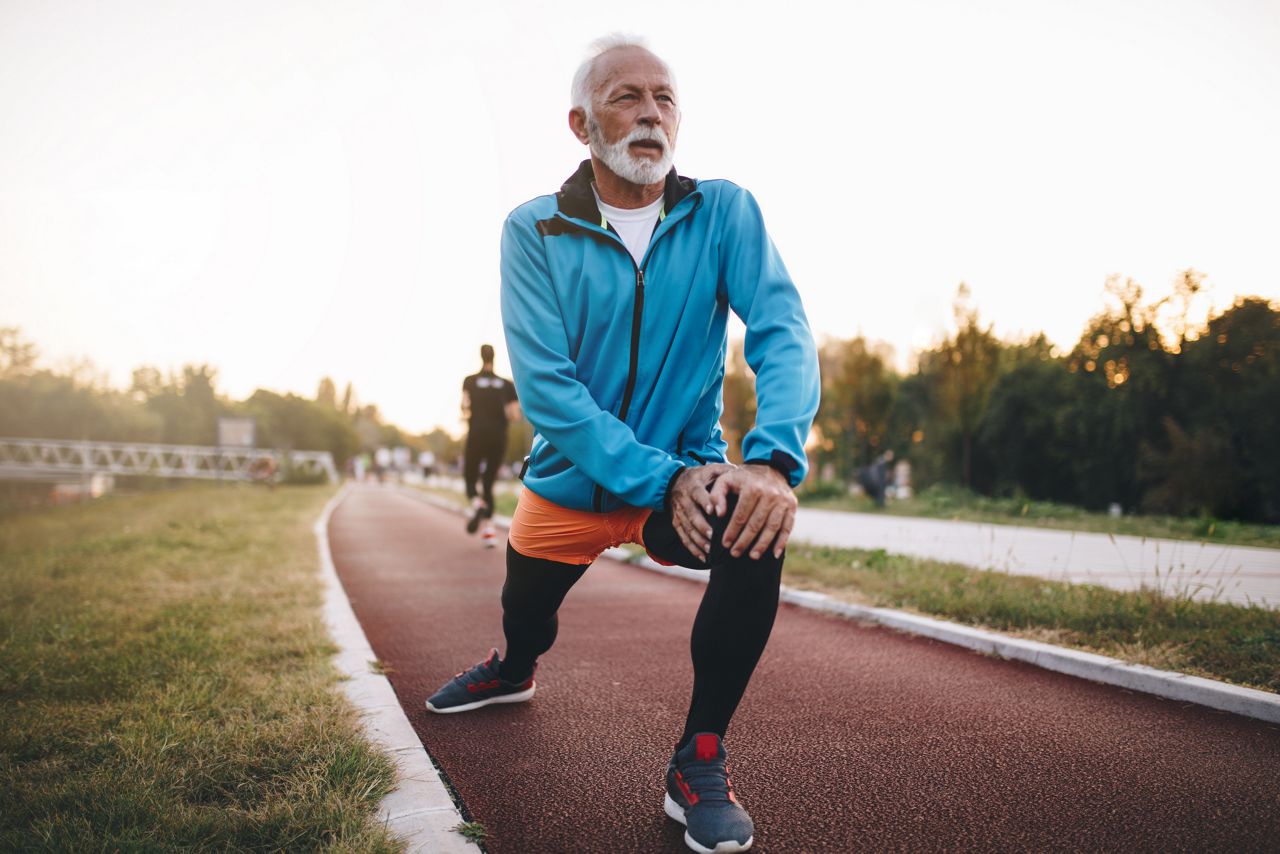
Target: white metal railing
{"x":48,"y":457}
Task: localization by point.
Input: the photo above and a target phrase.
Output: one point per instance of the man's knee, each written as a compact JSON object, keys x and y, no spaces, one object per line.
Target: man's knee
{"x":765,"y":572}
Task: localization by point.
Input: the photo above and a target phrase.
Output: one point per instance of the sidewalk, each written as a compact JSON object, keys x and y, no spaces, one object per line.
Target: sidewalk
{"x":1237,"y":574}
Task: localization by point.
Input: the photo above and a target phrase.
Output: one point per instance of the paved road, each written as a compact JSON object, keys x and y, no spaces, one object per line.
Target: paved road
{"x":1230,"y":573}
{"x":851,"y":738}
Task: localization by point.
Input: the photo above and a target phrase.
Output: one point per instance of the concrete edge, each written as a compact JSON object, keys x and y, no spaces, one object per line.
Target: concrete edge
{"x":1168,"y":684}
{"x":420,"y":810}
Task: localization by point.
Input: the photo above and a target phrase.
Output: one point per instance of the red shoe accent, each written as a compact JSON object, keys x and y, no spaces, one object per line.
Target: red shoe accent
{"x":706,"y":748}
{"x":685,"y":790}
{"x":477,"y":687}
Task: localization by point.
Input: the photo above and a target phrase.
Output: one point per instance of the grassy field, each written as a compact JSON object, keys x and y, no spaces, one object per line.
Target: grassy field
{"x":1212,"y":639}
{"x":165,"y":680}
{"x":1171,"y":632}
{"x":951,"y":503}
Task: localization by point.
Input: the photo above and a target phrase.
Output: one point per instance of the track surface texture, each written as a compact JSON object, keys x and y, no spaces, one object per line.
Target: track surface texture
{"x":850,"y":738}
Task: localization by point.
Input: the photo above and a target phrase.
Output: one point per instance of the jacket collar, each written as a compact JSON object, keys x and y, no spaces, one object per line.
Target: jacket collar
{"x":576,"y":199}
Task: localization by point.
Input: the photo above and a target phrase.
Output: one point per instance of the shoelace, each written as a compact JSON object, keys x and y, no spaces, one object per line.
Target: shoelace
{"x":708,"y":780}
{"x":480,"y":667}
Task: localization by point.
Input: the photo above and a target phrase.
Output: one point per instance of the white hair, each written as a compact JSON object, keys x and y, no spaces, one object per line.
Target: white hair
{"x":584,"y":82}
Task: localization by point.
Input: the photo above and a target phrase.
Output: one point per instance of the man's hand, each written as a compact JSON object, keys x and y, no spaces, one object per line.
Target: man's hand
{"x":690,"y":505}
{"x":765,"y":513}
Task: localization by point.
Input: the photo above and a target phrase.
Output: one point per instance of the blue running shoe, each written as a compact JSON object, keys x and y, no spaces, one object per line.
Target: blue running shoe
{"x":479,"y":686}
{"x":700,"y":796}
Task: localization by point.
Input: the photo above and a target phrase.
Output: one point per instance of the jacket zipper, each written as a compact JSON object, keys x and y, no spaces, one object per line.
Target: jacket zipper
{"x":637,"y":311}
{"x":597,"y":498}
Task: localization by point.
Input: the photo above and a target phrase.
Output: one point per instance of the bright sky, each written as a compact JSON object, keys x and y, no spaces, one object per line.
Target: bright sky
{"x":289,"y":190}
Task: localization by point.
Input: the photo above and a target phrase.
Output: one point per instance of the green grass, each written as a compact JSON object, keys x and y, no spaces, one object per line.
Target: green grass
{"x":1212,"y":639}
{"x":166,"y":684}
{"x":472,"y":831}
{"x":942,"y":502}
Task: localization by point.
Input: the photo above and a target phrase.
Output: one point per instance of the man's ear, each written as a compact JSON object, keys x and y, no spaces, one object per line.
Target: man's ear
{"x":578,"y":124}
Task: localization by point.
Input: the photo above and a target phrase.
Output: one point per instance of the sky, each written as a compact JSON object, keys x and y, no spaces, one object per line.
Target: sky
{"x":292,"y":190}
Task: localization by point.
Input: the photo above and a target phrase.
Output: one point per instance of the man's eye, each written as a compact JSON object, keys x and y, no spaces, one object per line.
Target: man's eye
{"x":667,"y":98}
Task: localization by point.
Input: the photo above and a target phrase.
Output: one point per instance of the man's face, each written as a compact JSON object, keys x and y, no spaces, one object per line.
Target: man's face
{"x":634,"y":118}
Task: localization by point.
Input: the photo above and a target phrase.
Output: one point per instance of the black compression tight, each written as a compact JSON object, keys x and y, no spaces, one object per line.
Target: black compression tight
{"x":729,"y":632}
{"x":531,"y":597}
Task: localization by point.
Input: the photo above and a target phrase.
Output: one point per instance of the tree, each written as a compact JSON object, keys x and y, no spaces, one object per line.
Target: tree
{"x":1228,"y":380}
{"x":17,"y":355}
{"x":1123,"y":378}
{"x":739,"y":413}
{"x":964,"y":369}
{"x":327,"y":393}
{"x":292,"y":422}
{"x":859,"y":388}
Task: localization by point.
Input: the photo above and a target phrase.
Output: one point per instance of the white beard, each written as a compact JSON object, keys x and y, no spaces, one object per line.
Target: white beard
{"x":620,"y":160}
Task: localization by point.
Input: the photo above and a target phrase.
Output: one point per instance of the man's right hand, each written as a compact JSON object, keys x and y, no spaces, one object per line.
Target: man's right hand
{"x":691,"y":506}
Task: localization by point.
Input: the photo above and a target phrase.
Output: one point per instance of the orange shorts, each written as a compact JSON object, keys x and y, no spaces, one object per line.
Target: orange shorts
{"x":543,"y":529}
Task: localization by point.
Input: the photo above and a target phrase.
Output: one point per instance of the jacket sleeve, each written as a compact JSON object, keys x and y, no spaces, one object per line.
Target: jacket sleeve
{"x":553,"y":399}
{"x":779,"y":345}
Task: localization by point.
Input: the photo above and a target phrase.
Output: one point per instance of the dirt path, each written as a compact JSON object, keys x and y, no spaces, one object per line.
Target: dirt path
{"x":850,"y":738}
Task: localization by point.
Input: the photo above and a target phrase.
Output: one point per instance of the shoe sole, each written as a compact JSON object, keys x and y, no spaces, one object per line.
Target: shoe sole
{"x":675,"y":811}
{"x":518,"y":697}
{"x":473,"y":524}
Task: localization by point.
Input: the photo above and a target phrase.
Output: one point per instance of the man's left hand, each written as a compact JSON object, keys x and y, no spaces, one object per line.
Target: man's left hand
{"x":765,"y":513}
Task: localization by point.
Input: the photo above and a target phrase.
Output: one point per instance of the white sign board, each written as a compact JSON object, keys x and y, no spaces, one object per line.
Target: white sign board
{"x":235,"y":432}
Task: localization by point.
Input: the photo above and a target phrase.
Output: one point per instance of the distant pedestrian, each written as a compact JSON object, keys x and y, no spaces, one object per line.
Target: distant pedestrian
{"x":427,"y":462}
{"x":488,"y":403}
{"x":875,"y":478}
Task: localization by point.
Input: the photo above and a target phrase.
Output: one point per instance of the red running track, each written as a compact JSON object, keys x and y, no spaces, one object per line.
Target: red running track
{"x":850,"y":738}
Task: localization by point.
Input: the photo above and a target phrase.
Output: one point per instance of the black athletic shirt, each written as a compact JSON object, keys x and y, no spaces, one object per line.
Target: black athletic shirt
{"x":489,"y":394}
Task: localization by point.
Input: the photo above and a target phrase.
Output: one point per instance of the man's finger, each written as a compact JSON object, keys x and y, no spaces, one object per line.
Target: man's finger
{"x":681,"y":531}
{"x":689,"y":520}
{"x":770,"y":531}
{"x":720,"y":495}
{"x":695,"y":521}
{"x":741,"y":513}
{"x":751,"y":530}
{"x":785,"y":534}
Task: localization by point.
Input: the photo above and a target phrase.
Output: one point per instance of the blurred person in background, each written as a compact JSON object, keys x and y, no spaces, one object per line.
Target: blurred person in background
{"x":488,"y":404}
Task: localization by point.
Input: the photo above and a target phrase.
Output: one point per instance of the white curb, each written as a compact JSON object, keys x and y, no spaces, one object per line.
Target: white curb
{"x":419,"y":810}
{"x":1223,"y":696}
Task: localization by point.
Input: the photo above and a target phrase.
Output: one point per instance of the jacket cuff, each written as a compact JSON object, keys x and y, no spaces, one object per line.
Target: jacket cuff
{"x":671,"y":484}
{"x":779,"y":462}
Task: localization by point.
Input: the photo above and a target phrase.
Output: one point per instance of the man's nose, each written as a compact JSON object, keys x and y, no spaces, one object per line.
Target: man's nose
{"x":649,"y":112}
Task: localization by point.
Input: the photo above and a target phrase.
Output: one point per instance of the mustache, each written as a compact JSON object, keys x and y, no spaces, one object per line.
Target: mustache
{"x":648,"y":133}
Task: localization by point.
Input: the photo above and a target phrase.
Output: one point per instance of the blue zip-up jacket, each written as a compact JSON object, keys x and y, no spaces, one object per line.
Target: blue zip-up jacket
{"x":619,"y":366}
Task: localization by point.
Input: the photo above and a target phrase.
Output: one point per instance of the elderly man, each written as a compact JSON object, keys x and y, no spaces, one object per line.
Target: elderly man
{"x":615,"y":299}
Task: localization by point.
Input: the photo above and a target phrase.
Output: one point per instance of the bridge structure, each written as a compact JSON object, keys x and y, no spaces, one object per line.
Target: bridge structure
{"x":52,"y":459}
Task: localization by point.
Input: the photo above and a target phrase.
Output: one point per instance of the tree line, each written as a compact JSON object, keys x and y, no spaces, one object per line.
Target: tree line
{"x":182,"y":407}
{"x":1148,"y":409}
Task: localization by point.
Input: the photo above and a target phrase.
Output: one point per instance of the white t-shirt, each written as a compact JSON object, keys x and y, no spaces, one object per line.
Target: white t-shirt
{"x":634,"y":225}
